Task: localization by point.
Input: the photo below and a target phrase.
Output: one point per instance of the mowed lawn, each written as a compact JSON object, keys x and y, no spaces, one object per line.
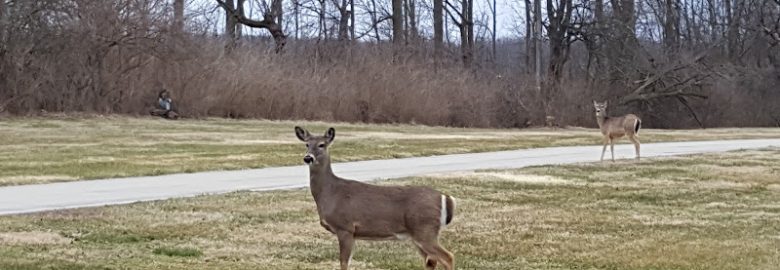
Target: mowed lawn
{"x":55,"y":149}
{"x":715,"y":211}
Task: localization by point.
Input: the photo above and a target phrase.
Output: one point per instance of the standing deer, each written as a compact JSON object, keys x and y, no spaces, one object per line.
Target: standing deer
{"x":355,"y":210}
{"x":615,"y":127}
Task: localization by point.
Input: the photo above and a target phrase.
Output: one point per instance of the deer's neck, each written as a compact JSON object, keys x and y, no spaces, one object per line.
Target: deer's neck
{"x":601,"y":120}
{"x":321,"y":177}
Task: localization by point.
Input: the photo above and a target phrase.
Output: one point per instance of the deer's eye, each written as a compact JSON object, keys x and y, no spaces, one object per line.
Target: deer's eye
{"x":307,"y":145}
{"x":322,"y":145}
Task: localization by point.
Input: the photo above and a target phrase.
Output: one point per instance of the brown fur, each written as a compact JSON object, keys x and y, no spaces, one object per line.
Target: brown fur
{"x":354,"y":210}
{"x":614,"y":128}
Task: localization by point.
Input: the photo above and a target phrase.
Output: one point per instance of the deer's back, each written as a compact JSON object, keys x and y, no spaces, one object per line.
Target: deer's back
{"x":380,"y":211}
{"x":619,"y":126}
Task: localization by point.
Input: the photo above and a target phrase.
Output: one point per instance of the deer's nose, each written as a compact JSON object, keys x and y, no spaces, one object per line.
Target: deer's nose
{"x":308,"y":159}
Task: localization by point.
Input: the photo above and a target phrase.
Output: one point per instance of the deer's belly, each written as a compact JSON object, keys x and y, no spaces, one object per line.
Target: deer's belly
{"x":616,"y":135}
{"x":397,"y":236}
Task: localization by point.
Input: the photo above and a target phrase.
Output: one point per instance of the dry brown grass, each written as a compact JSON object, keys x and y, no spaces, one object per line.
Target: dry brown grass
{"x":68,"y":148}
{"x":716,"y":211}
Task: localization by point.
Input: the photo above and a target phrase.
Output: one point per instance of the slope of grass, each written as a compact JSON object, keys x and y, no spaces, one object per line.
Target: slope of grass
{"x":42,"y":150}
{"x":717,"y":211}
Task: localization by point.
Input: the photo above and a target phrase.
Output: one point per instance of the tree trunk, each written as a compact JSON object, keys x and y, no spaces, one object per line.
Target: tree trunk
{"x":230,"y":26}
{"x":438,"y":30}
{"x":447,"y":31}
{"x":559,"y":20}
{"x":3,"y":25}
{"x":733,"y":18}
{"x":466,"y":33}
{"x":713,"y":20}
{"x":670,"y":18}
{"x":343,"y":21}
{"x":278,"y":12}
{"x":470,"y":26}
{"x":495,"y":28}
{"x":412,"y":17}
{"x":622,"y":47}
{"x":323,"y":25}
{"x":375,"y":21}
{"x":398,"y":22}
{"x":240,"y":10}
{"x":529,"y":40}
{"x":297,"y":11}
{"x":537,"y":25}
{"x":597,"y":39}
{"x":178,"y":15}
{"x":352,"y":19}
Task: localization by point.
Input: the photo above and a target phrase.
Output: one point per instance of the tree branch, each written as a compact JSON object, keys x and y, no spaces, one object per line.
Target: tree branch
{"x":452,"y":17}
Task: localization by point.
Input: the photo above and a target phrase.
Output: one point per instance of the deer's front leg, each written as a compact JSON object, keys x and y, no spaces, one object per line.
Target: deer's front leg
{"x":612,"y":148}
{"x":326,"y":226}
{"x":346,"y":241}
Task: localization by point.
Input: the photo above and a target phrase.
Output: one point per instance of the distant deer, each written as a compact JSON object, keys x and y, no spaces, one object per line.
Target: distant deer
{"x":615,"y":127}
{"x":354,"y":210}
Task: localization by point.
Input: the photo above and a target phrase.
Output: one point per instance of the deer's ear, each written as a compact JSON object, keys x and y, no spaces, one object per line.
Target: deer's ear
{"x":302,"y":134}
{"x":606,"y":102}
{"x":330,"y":134}
{"x":595,"y":104}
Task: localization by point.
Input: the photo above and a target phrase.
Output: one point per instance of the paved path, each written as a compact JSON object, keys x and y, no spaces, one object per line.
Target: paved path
{"x":34,"y":198}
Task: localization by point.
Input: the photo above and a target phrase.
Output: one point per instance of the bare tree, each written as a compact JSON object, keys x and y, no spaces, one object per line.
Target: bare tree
{"x":344,"y":17}
{"x":269,"y":22}
{"x":465,"y":23}
{"x":671,"y":25}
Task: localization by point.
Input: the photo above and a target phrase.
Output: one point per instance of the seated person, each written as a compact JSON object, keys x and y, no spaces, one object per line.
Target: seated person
{"x":164,"y":100}
{"x":165,"y":106}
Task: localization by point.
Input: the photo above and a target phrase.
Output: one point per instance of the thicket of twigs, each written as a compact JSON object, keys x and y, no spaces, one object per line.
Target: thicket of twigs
{"x":114,"y":56}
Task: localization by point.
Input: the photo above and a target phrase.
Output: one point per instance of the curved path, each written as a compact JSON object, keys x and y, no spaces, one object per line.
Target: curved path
{"x":35,"y":198}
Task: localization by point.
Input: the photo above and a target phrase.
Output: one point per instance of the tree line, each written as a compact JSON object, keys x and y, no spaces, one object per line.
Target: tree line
{"x":676,"y":63}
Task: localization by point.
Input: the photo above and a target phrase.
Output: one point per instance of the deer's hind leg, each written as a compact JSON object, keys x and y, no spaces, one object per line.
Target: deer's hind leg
{"x":430,"y":262}
{"x":635,"y":140}
{"x":428,"y":243}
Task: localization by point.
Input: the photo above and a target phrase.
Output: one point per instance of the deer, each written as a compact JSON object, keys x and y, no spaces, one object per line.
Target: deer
{"x":354,"y":210}
{"x":613,"y":128}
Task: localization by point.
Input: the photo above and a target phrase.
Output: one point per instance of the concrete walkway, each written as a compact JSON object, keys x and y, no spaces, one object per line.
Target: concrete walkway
{"x":34,"y":198}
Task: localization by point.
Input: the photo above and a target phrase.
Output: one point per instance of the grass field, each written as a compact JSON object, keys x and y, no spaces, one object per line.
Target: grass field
{"x":54,"y":149}
{"x":715,"y":211}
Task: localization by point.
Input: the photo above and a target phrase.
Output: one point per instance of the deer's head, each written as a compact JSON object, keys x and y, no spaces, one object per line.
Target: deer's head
{"x":601,"y":108}
{"x":316,"y":146}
